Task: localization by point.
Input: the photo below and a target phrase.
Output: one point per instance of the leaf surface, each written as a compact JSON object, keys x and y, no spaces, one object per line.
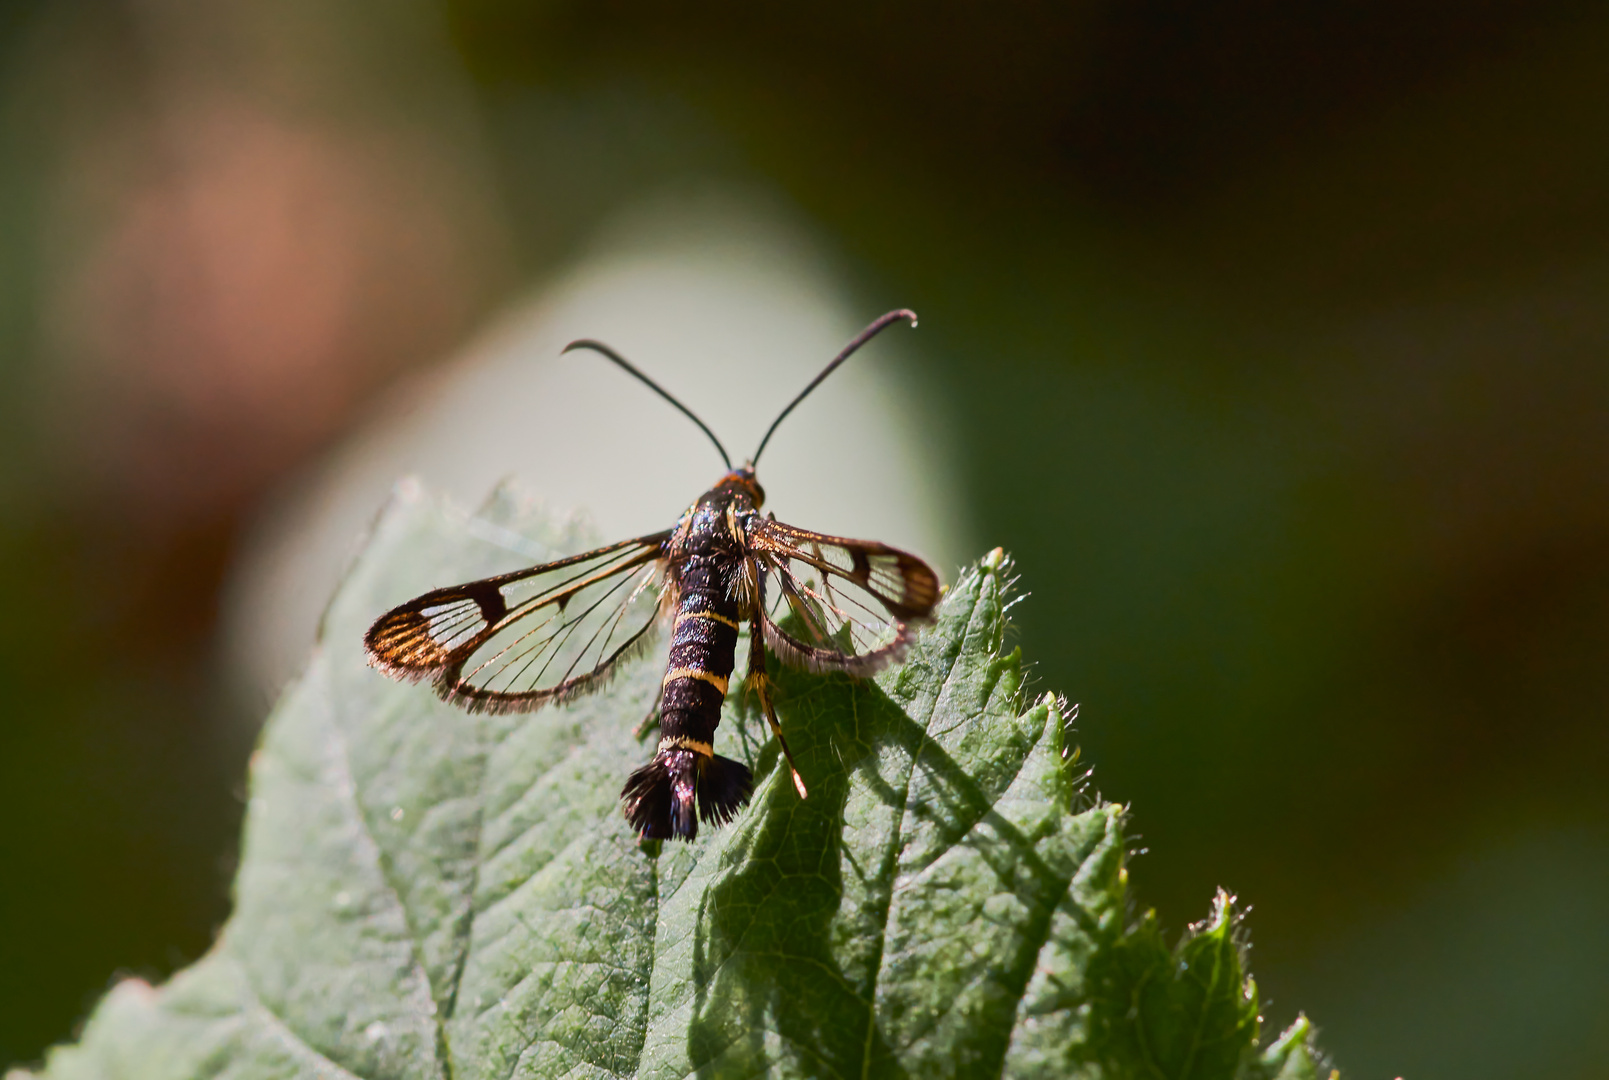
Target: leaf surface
{"x":428,"y":893}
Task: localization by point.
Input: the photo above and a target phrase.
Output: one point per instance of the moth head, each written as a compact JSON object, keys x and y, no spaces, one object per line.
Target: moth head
{"x":743,"y":479}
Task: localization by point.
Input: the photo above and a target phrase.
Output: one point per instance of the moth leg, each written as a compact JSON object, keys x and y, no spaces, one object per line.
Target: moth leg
{"x":650,"y":721}
{"x":761,"y":683}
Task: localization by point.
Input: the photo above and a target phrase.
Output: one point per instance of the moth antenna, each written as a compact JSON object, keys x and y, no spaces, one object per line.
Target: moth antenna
{"x":601,"y":348}
{"x":877,"y":327}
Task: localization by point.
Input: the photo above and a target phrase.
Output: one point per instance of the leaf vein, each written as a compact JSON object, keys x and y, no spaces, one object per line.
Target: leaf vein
{"x":579,"y":747}
{"x":892,"y":858}
{"x":281,"y":1031}
{"x":347,"y":787}
{"x":464,"y":929}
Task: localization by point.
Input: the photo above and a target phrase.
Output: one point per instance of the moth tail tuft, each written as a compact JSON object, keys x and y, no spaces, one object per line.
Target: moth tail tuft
{"x":659,"y":797}
{"x":724,"y":787}
{"x":666,"y":798}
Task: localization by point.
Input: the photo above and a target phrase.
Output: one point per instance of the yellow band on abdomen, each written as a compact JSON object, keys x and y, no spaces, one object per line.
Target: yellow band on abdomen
{"x":683,"y":742}
{"x":694,"y":673}
{"x":706,"y":615}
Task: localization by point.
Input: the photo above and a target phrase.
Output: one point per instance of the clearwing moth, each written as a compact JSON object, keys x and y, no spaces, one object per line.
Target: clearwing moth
{"x":552,"y":632}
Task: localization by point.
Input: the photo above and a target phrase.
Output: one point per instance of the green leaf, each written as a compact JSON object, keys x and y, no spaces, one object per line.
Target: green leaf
{"x":427,"y":893}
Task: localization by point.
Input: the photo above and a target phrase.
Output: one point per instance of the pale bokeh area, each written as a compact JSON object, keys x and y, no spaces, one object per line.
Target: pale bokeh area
{"x":720,"y":301}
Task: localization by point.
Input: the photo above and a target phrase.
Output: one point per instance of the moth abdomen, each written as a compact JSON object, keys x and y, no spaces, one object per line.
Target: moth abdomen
{"x":686,"y":781}
{"x":703,"y":651}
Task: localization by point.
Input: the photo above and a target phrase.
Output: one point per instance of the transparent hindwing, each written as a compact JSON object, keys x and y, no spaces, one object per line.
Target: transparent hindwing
{"x":829,"y":603}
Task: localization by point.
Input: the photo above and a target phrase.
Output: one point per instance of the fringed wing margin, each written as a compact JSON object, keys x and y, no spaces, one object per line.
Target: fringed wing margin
{"x":518,"y":641}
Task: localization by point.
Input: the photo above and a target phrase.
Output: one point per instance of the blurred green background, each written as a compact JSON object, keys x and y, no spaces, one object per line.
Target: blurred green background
{"x":1275,"y":342}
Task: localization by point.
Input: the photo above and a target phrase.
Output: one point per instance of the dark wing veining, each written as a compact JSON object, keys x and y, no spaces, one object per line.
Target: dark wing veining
{"x":852,"y":603}
{"x":514,"y":642}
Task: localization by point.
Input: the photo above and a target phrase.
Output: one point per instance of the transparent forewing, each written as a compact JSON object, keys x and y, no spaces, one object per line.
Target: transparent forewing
{"x":516,"y":641}
{"x":836,"y":604}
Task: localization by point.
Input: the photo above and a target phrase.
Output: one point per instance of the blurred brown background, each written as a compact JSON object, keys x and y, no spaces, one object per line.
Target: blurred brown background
{"x":1275,"y":342}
